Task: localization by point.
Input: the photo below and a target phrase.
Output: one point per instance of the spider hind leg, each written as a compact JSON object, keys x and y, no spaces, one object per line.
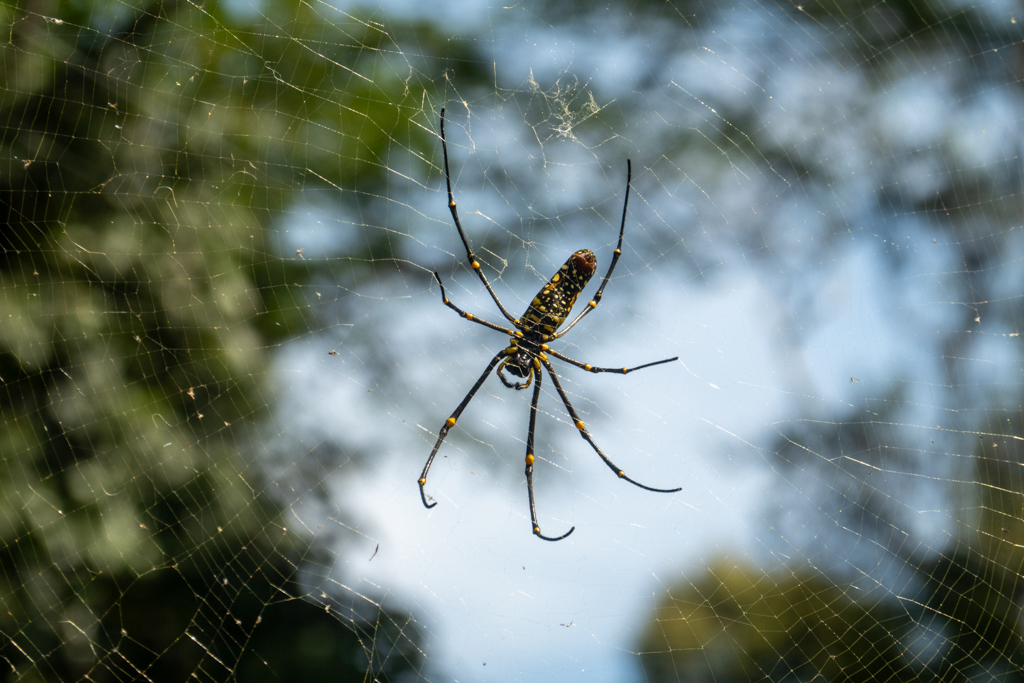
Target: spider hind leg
{"x":589,"y":439}
{"x":530,"y":461}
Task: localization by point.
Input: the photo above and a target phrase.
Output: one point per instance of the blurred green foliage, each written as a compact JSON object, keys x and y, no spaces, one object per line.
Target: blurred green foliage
{"x":146,"y":150}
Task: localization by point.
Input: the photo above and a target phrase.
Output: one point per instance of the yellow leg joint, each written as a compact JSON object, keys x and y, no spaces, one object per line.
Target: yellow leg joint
{"x":621,"y":473}
{"x":536,"y":363}
{"x":469,"y":316}
{"x":451,"y":203}
{"x":544,"y":347}
{"x":536,"y":529}
{"x":625,"y":370}
{"x":476,"y":266}
{"x":592,"y":303}
{"x":618,"y":251}
{"x":580,"y":426}
{"x":422,"y":480}
{"x":450,"y":422}
{"x":529,"y":458}
{"x":588,"y":367}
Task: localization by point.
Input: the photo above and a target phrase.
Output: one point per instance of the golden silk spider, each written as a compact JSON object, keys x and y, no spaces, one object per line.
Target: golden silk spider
{"x":528,"y":349}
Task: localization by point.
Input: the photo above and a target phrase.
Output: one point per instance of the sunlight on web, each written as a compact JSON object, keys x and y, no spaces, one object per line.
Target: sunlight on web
{"x":226,"y":358}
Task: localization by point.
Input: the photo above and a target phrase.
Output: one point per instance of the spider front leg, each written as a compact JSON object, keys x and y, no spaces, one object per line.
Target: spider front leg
{"x":592,"y":304}
{"x":474,"y":264}
{"x":450,"y":422}
{"x":530,"y":458}
{"x":586,"y":435}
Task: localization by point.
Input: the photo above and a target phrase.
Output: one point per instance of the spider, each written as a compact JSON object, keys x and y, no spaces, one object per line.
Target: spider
{"x":528,"y":351}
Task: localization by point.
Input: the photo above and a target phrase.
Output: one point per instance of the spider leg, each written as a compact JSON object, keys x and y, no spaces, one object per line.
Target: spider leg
{"x":591,"y":368}
{"x":458,"y":225}
{"x":586,"y":435}
{"x":530,"y":459}
{"x":592,"y":304}
{"x":470,"y":317}
{"x":450,"y":422}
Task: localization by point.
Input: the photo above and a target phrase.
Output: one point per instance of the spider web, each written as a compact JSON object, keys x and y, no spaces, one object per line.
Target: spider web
{"x":224,"y":358}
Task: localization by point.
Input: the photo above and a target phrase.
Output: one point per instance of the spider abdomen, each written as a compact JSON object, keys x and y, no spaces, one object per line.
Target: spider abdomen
{"x":555,"y":300}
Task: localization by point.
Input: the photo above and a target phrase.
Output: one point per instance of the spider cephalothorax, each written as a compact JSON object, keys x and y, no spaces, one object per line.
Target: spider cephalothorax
{"x":528,"y":349}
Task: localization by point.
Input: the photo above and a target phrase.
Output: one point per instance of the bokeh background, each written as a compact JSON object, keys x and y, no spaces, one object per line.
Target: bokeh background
{"x":224,"y":360}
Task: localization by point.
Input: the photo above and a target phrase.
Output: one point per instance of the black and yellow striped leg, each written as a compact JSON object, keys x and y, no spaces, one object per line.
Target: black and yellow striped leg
{"x":458,"y":225}
{"x":586,"y":435}
{"x":592,"y":304}
{"x":469,"y":316}
{"x":450,"y":422}
{"x":530,"y":458}
{"x":591,"y":368}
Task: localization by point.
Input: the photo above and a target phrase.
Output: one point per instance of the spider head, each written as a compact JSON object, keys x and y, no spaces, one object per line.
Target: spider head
{"x":519,"y":364}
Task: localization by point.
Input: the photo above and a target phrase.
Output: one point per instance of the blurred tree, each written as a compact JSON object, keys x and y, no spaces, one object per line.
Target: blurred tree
{"x":147,"y":147}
